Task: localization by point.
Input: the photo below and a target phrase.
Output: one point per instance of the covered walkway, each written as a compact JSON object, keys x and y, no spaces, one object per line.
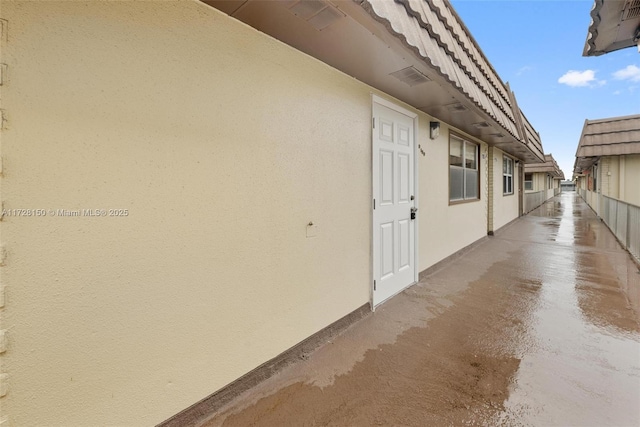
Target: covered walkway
{"x":534,"y":326}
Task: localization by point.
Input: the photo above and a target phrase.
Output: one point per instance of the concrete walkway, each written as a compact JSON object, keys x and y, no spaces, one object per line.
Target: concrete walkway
{"x":533,"y":327}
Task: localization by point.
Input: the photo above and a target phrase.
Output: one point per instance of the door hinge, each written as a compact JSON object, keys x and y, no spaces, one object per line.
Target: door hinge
{"x":374,"y":204}
{"x":374,"y":122}
{"x":374,"y":285}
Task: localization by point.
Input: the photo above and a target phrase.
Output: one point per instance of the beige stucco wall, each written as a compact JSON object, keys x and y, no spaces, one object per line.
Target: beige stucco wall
{"x":539,"y":180}
{"x":557,"y":183}
{"x":444,"y":228}
{"x":610,"y":176}
{"x":632,"y":179}
{"x":204,"y":130}
{"x":505,"y":207}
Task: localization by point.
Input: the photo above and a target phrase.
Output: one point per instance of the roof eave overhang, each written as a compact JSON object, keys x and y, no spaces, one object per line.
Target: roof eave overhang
{"x":367,"y":46}
{"x":584,"y":163}
{"x":509,"y":140}
{"x":620,"y":149}
{"x":550,"y":171}
{"x":612,"y":28}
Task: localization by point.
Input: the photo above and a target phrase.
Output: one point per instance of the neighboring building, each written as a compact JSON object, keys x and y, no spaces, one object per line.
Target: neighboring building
{"x":541,"y":182}
{"x":188,"y":194}
{"x":615,"y":24}
{"x":607,"y":174}
{"x":568,"y":186}
{"x":608,"y":159}
{"x":607,"y":168}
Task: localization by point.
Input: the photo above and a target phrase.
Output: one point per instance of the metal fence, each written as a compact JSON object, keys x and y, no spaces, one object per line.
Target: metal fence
{"x":533,"y":200}
{"x":623,"y":219}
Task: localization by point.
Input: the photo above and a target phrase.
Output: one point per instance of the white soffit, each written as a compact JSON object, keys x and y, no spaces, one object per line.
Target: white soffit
{"x":615,"y":24}
{"x":417,"y":51}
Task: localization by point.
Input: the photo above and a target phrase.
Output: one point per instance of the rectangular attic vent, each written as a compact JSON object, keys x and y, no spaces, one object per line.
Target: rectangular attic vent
{"x":410,"y":76}
{"x":456,"y":107}
{"x":631,"y":9}
{"x":481,"y":125}
{"x":320,"y":14}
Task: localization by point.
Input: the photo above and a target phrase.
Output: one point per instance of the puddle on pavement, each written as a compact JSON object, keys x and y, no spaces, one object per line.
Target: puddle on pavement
{"x":544,"y":336}
{"x":550,"y":208}
{"x":455,"y":371}
{"x":584,"y":366}
{"x":599,"y":295}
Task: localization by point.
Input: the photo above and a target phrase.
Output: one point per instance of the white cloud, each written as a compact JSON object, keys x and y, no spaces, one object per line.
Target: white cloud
{"x":630,"y":72}
{"x":523,"y":70}
{"x":580,"y":78}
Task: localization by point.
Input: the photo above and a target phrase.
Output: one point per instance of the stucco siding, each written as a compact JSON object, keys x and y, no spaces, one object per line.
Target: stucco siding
{"x":610,"y":172}
{"x":617,"y":178}
{"x":539,"y":182}
{"x":505,"y":206}
{"x":632,"y":180}
{"x":222,"y":144}
{"x":446,"y":228}
{"x":209,"y":147}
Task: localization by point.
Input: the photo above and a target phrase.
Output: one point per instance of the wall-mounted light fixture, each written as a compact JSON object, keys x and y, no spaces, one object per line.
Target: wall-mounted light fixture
{"x":434,"y":130}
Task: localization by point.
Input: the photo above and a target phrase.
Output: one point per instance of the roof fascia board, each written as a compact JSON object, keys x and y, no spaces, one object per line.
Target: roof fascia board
{"x":519,"y":122}
{"x":592,"y":32}
{"x":379,"y":16}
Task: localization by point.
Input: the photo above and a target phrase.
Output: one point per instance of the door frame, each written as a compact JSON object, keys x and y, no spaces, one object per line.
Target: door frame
{"x":376,"y":99}
{"x":520,"y":187}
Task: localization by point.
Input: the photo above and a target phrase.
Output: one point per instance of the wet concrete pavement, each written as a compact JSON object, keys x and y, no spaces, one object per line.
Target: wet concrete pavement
{"x":533,"y":327}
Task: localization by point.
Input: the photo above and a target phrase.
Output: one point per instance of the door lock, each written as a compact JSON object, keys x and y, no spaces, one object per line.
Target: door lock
{"x":413,"y":213}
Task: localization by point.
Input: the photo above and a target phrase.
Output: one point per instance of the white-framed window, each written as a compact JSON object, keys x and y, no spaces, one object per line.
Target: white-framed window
{"x":464,"y":176}
{"x":528,"y":181}
{"x":507,"y":175}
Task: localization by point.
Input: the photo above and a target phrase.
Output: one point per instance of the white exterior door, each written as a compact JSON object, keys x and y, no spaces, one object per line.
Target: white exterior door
{"x":394,"y":230}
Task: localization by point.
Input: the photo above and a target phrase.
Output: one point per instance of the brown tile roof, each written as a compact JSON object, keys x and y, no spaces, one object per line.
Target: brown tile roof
{"x":549,"y":166}
{"x":532,"y":137}
{"x":434,"y":31}
{"x":610,"y":137}
{"x":614,"y":136}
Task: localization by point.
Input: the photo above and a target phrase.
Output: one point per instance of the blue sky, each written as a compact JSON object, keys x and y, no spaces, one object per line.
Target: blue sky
{"x":536,"y":46}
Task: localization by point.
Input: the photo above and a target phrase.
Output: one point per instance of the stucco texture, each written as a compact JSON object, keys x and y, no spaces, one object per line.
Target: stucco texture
{"x":610,"y":177}
{"x":631,"y":179}
{"x":505,"y":206}
{"x":209,"y":147}
{"x":445,"y":228}
{"x":222,"y":144}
